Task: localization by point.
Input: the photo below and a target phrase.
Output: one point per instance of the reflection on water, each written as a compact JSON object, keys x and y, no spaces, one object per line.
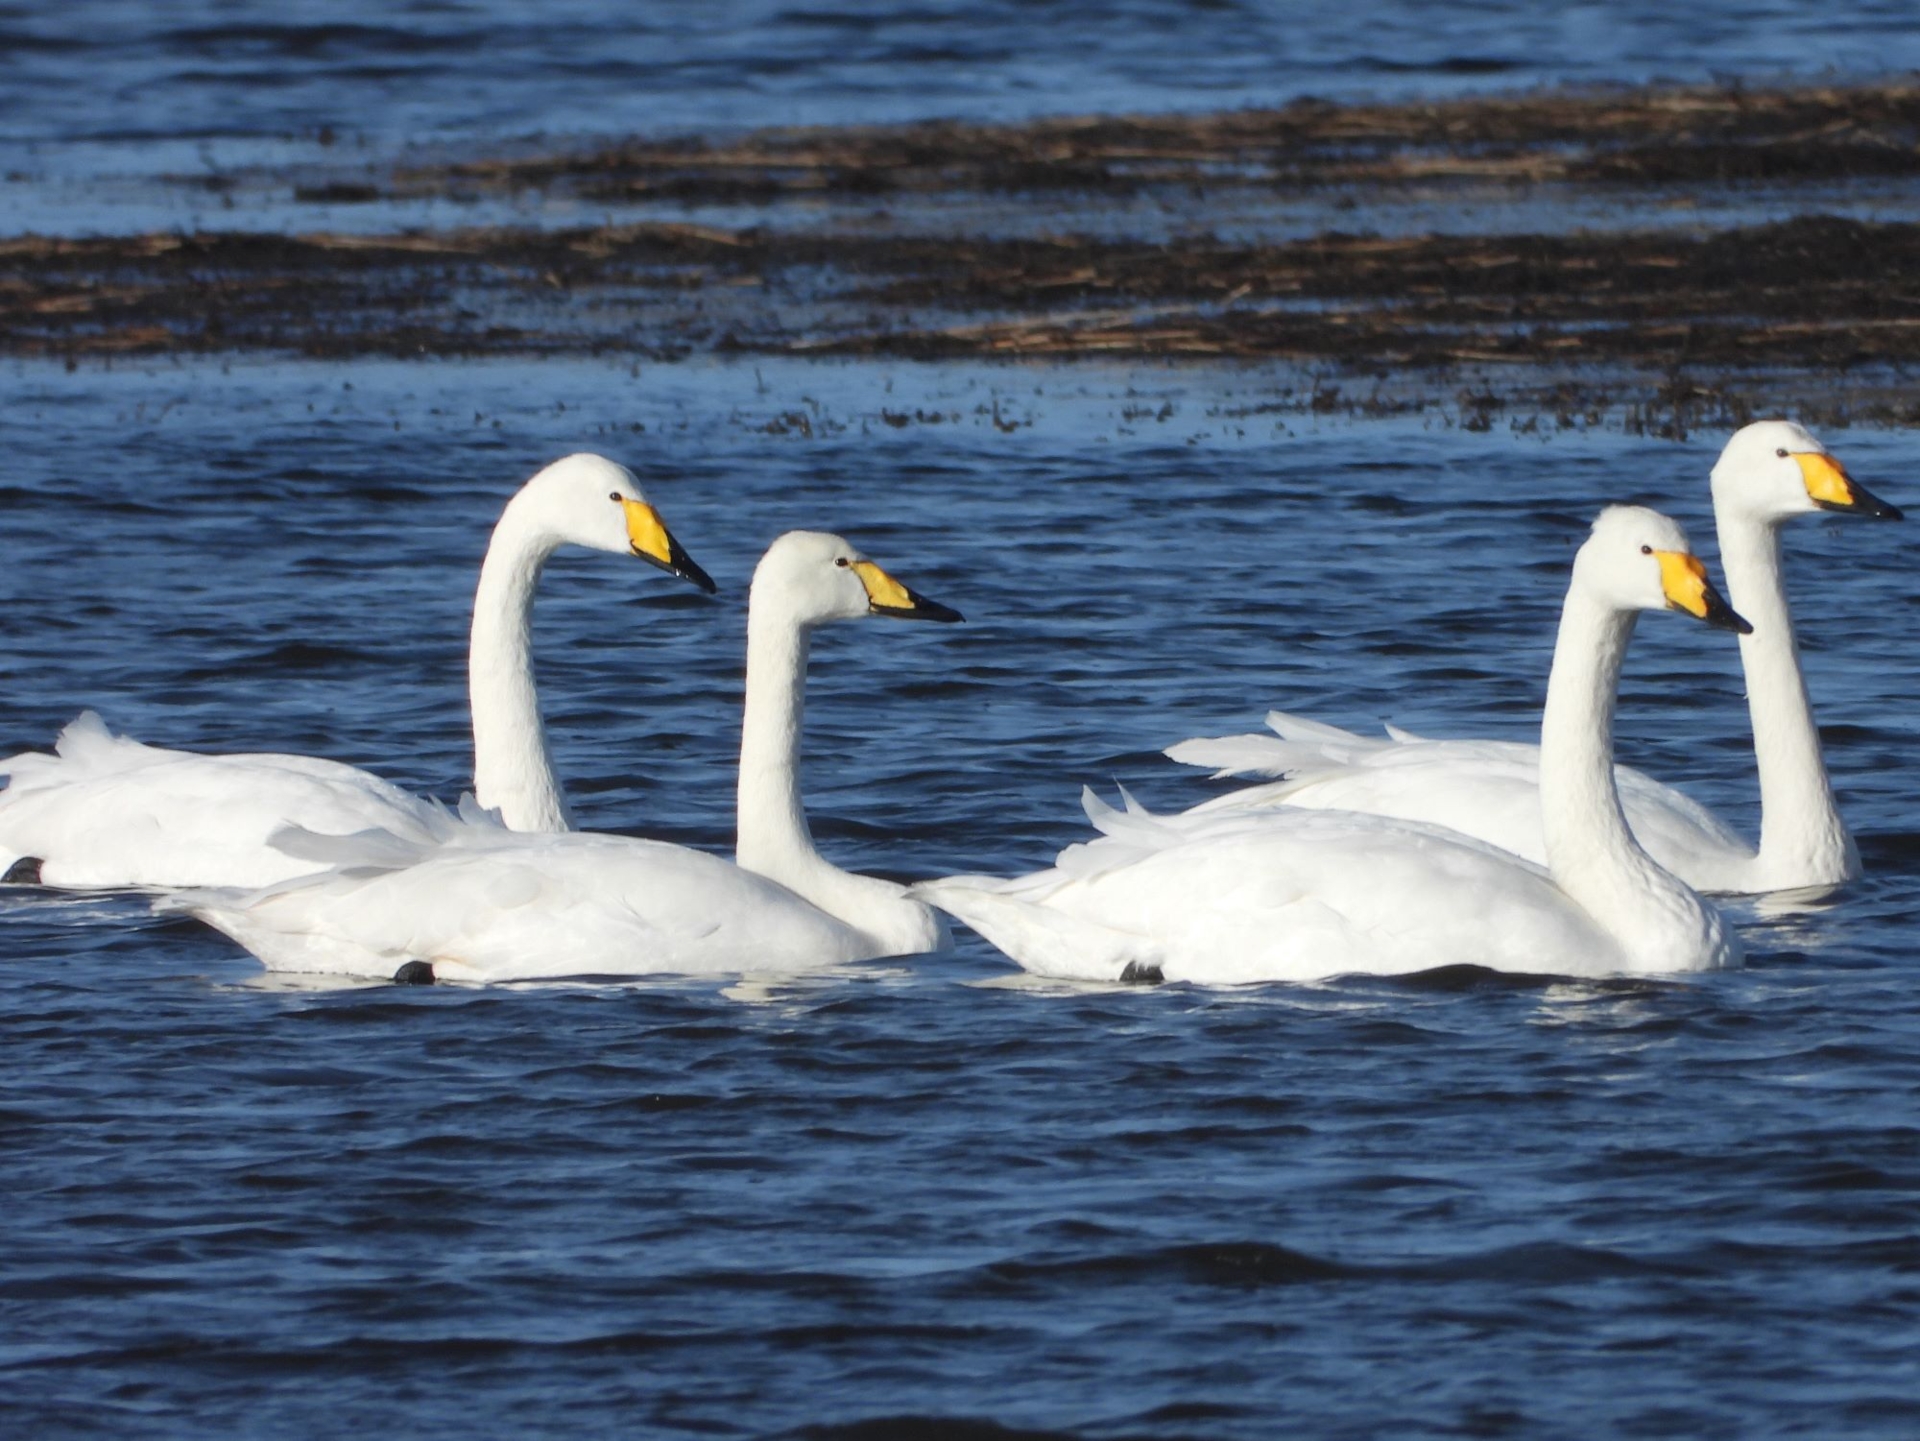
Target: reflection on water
{"x":1794,"y":913}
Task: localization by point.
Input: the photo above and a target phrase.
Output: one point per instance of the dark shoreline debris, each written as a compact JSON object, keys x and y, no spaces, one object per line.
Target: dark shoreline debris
{"x":1666,"y":136}
{"x":1821,"y":309}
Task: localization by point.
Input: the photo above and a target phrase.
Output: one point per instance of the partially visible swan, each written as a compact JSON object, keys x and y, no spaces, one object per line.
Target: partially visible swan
{"x":108,"y":811}
{"x":477,"y":902}
{"x":1286,"y":894}
{"x":1769,"y":471}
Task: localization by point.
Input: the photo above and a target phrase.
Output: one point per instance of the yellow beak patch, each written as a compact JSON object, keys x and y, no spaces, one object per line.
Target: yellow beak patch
{"x":882,"y":589}
{"x":647,"y":532}
{"x":1684,"y":579}
{"x":1826,"y":481}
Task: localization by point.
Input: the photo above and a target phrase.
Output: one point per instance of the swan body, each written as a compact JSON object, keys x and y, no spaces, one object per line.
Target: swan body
{"x":1769,"y":472}
{"x":479,"y":902}
{"x":1489,"y":790}
{"x":1229,"y":897}
{"x":107,"y":811}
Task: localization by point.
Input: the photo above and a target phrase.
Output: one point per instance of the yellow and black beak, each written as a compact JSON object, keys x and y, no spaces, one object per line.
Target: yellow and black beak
{"x":651,"y":540}
{"x":886,"y":596}
{"x":1831,"y":488}
{"x":1684,"y":579}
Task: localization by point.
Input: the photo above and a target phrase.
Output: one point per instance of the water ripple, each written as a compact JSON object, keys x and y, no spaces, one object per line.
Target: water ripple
{"x":926,"y":1198}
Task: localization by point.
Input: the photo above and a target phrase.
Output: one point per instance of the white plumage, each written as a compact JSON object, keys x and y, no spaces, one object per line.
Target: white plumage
{"x":104,"y":810}
{"x":108,"y":811}
{"x":481,"y":903}
{"x":1289,"y":894}
{"x":1768,"y":472}
{"x":1489,"y":790}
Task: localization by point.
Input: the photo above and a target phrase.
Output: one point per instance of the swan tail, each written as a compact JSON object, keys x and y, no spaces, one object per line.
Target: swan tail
{"x":1290,"y":727}
{"x":1296,"y":745}
{"x":85,"y":748}
{"x":1226,"y":756}
{"x":1125,"y":836}
{"x":1135,"y":823}
{"x":1043,"y":941}
{"x":231,"y":911}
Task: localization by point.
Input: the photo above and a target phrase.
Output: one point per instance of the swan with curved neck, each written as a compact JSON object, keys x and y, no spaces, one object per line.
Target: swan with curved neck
{"x":583,"y":500}
{"x":106,"y":811}
{"x":786,"y":606}
{"x":1290,"y":894}
{"x":1769,"y":472}
{"x":475,"y":902}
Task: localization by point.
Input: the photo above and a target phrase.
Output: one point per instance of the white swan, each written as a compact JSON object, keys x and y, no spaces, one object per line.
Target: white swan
{"x":1286,"y":894}
{"x":1490,"y":789}
{"x":476,"y":902}
{"x":109,"y":811}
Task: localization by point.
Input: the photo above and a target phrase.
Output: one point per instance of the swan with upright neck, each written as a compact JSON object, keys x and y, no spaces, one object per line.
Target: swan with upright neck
{"x":476,"y":902}
{"x":107,"y":811}
{"x":1288,"y":894}
{"x":1768,"y":473}
{"x":584,"y":500}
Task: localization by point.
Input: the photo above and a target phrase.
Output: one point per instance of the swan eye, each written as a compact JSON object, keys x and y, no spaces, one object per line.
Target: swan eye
{"x":1781,"y":452}
{"x":615,"y":497}
{"x":842,"y":561}
{"x":1646,"y":550}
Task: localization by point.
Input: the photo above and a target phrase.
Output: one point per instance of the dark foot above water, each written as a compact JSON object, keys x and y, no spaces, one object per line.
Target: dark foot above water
{"x":414,"y":973}
{"x":1138,"y":975}
{"x":23,"y":872}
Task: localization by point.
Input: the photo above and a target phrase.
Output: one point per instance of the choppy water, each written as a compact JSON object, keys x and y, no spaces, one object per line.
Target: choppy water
{"x":417,"y":69}
{"x":120,"y":115}
{"x":1455,"y":1205}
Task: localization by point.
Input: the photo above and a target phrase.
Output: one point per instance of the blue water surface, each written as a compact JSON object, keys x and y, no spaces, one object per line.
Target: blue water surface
{"x":1459,"y":1204}
{"x":928,"y":1200}
{"x":122,"y":114}
{"x":407,"y":70}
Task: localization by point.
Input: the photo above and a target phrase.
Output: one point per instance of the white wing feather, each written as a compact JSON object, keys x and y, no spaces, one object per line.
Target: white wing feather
{"x":482,"y":903}
{"x":104,"y":810}
{"x":1278,"y":895}
{"x":1489,"y":790}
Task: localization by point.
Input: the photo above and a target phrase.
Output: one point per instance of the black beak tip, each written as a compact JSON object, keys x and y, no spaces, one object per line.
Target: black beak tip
{"x":679,"y":563}
{"x":1721,"y":616}
{"x":1866,"y":503}
{"x":924,"y":609}
{"x":683,"y":565}
{"x":1725,"y":617}
{"x":920,"y":608}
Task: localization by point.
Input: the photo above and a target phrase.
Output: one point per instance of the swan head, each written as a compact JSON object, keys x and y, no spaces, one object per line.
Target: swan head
{"x":812,"y":577}
{"x":1638,"y":559}
{"x":1774,"y":468}
{"x":588,"y":500}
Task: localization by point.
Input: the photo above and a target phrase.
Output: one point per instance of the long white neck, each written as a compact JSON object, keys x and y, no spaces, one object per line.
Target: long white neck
{"x":1658,"y":923}
{"x":773,"y":838}
{"x":772,"y":819}
{"x":1802,"y":837}
{"x":512,"y":767}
